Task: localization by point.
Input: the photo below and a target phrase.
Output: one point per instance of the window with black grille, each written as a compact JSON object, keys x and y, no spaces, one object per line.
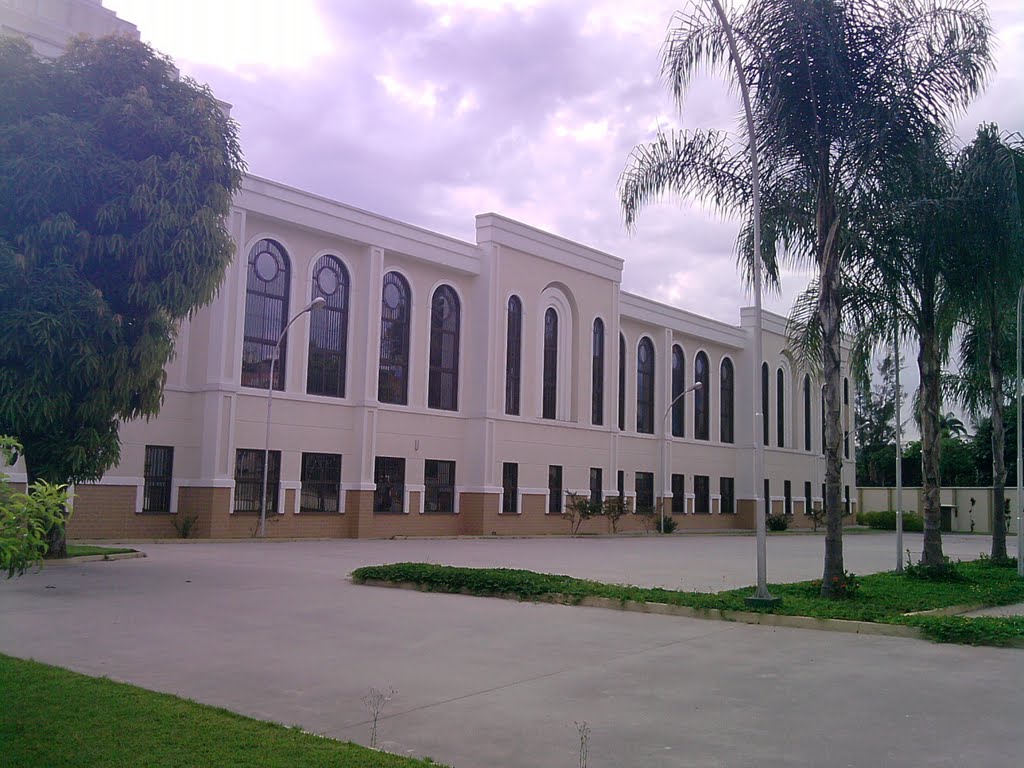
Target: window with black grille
{"x":701,"y":398}
{"x":156,"y":491}
{"x":766,"y":416}
{"x":389,"y":477}
{"x":439,"y":482}
{"x":846,"y":500}
{"x":702,"y":494}
{"x":622,"y":382}
{"x":393,"y":375}
{"x":266,"y":312}
{"x":249,"y":481}
{"x":645,"y":387}
{"x":678,"y":494}
{"x":597,"y":374}
{"x":620,"y":484}
{"x":678,"y":387}
{"x":808,"y":503}
{"x":509,"y":487}
{"x":513,"y":355}
{"x":787,"y":492}
{"x":643,"y":484}
{"x":780,"y":408}
{"x":321,"y":483}
{"x":727,"y":387}
{"x":550,"y":374}
{"x":328,"y":329}
{"x":554,"y":490}
{"x":596,"y":481}
{"x":443,"y":381}
{"x":807,"y":413}
{"x":727,"y":490}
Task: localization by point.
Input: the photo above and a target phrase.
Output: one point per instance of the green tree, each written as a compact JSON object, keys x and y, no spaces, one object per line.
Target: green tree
{"x":840,"y":91}
{"x":116,"y":177}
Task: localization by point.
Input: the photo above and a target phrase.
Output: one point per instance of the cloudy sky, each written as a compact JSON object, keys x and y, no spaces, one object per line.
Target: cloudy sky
{"x":432,"y":111}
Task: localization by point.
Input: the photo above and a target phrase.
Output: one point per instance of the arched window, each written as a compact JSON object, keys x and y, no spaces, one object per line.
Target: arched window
{"x":765,"y":406}
{"x":645,"y":387}
{"x":678,"y":385}
{"x":266,"y":312}
{"x":550,"y":384}
{"x":622,"y":382}
{"x":780,"y":408}
{"x":822,"y":421}
{"x":807,"y":413}
{"x":727,"y":385}
{"x":393,"y":376}
{"x":513,"y":355}
{"x":846,"y":418}
{"x":443,"y":381}
{"x":597,"y":375}
{"x":328,"y":330}
{"x":700,"y":398}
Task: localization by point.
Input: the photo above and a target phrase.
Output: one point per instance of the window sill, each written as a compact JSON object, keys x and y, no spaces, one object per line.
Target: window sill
{"x":318,"y":513}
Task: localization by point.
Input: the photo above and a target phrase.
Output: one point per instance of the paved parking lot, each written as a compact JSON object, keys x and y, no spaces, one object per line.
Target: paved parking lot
{"x":276,"y":631}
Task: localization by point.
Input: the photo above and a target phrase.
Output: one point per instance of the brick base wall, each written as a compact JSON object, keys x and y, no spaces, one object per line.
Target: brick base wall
{"x":108,"y":512}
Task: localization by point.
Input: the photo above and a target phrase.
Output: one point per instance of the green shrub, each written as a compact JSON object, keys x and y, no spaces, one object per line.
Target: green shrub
{"x":667,"y":525}
{"x":946,"y":571}
{"x":886,"y":520}
{"x":777,"y":522}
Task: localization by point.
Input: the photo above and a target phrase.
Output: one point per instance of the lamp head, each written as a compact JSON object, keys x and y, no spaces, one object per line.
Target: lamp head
{"x":318,"y":303}
{"x":698,"y":385}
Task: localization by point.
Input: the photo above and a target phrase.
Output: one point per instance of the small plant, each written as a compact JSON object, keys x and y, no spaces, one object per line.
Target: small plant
{"x":997,"y":562}
{"x":886,"y":520}
{"x":667,"y":525}
{"x":614,"y":508}
{"x":584,"y":732}
{"x":817,"y":515}
{"x":648,"y":518}
{"x":185,"y":525}
{"x":778,"y":522}
{"x":375,"y":700}
{"x":579,"y":508}
{"x":947,"y":571}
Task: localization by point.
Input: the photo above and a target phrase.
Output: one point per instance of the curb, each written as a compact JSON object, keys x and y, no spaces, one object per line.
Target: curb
{"x":93,"y":558}
{"x":685,"y":611}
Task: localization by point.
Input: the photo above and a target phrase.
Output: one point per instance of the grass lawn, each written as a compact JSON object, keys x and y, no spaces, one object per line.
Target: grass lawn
{"x":51,"y":717}
{"x":80,"y":550}
{"x":880,"y":597}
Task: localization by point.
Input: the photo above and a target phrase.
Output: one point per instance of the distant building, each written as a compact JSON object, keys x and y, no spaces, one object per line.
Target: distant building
{"x":49,"y":24}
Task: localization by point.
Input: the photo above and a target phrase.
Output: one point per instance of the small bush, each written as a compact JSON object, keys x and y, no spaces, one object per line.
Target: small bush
{"x":185,"y":525}
{"x":948,"y":571}
{"x":777,"y":522}
{"x":667,"y":525}
{"x":886,"y":520}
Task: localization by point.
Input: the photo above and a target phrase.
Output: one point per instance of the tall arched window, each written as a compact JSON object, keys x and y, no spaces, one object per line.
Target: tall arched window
{"x":328,"y":330}
{"x":765,"y":406}
{"x":807,"y":413}
{"x":393,"y":376}
{"x":443,"y":381}
{"x":597,"y":375}
{"x":727,"y":385}
{"x":823,"y":421}
{"x":645,"y":387}
{"x":622,"y":382}
{"x":701,"y":398}
{"x":513,"y":355}
{"x":266,"y":311}
{"x":846,"y":418}
{"x":780,"y":408}
{"x":678,"y":385}
{"x":550,"y":383}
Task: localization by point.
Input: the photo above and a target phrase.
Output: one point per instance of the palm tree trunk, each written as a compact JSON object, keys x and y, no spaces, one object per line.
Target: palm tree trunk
{"x":928,"y":365}
{"x":995,"y":375}
{"x":829,"y":316}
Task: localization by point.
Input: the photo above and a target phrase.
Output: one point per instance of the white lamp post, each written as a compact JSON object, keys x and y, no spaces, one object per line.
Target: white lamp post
{"x":317,"y":303}
{"x":664,"y":450}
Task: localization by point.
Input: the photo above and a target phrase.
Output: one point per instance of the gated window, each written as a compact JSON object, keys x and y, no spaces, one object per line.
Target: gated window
{"x":622,"y":382}
{"x":266,"y":311}
{"x":727,"y":490}
{"x":328,"y":330}
{"x":596,"y":481}
{"x":846,"y":500}
{"x":780,"y":408}
{"x":678,"y":494}
{"x":550,"y":382}
{"x":678,"y":386}
{"x":846,"y":419}
{"x":249,"y":481}
{"x":807,"y":413}
{"x":389,"y":476}
{"x":156,"y":491}
{"x":513,"y":355}
{"x":621,"y":485}
{"x":443,"y":382}
{"x":822,"y":421}
{"x":808,"y":504}
{"x":700,"y":397}
{"x":439,"y":482}
{"x":643,"y":484}
{"x":765,"y":406}
{"x":787,"y":492}
{"x":645,"y":387}
{"x":702,"y":494}
{"x":321,"y":483}
{"x":393,"y":376}
{"x":767,"y":496}
{"x":554,"y":489}
{"x":510,"y":487}
{"x":597,"y":375}
{"x":727,"y":387}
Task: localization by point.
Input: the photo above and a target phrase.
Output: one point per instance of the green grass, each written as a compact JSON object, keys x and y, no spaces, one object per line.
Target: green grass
{"x":52,"y":718}
{"x":80,"y":550}
{"x":881,"y":597}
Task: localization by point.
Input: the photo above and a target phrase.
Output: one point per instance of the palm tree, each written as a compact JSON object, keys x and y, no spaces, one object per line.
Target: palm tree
{"x":840,"y":90}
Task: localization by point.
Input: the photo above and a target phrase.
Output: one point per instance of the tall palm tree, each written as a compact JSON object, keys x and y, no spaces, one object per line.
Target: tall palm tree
{"x":840,"y":90}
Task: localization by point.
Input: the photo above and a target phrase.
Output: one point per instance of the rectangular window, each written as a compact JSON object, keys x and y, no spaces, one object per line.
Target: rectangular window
{"x":509,"y":487}
{"x":389,"y":475}
{"x":439,"y":482}
{"x":787,"y":490}
{"x":596,"y":481}
{"x":767,"y":496}
{"x":622,"y":486}
{"x":554,"y":489}
{"x":249,"y":481}
{"x":321,"y":483}
{"x":643,"y":484}
{"x":846,"y":500}
{"x":156,"y":493}
{"x":678,"y":494}
{"x":727,"y":488}
{"x":808,"y":504}
{"x":702,"y":494}
{"x":822,"y":495}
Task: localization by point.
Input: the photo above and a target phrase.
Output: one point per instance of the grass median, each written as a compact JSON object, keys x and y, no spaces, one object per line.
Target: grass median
{"x":81,"y":550}
{"x":884,"y":598}
{"x":52,"y":718}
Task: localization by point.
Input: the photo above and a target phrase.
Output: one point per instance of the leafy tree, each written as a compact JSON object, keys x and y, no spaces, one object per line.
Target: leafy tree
{"x":875,"y":407}
{"x":115,"y":180}
{"x":840,"y":91}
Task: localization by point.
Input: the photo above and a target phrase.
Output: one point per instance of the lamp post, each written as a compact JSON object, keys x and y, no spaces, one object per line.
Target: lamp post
{"x":1020,"y":463}
{"x":664,"y":438}
{"x":317,"y":303}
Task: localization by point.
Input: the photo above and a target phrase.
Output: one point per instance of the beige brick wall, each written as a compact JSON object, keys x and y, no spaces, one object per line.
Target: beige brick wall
{"x":108,"y":512}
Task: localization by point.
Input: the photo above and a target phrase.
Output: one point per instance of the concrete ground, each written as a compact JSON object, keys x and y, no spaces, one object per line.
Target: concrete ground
{"x":274,"y":630}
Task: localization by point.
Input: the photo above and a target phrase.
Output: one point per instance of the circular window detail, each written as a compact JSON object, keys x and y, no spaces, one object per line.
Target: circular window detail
{"x":266,"y":266}
{"x":327,"y":281}
{"x":392,"y":296}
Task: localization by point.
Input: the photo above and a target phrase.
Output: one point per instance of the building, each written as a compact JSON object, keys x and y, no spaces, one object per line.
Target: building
{"x":452,"y":388}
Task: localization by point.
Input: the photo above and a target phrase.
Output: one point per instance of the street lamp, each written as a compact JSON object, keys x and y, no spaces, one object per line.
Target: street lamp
{"x":664,"y":452}
{"x":317,"y":303}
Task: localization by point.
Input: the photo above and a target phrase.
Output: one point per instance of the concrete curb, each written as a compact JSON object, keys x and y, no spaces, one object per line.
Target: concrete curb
{"x":685,"y":611}
{"x":94,"y":558}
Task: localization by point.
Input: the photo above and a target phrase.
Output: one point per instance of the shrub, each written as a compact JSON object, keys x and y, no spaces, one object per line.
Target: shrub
{"x":886,"y":520}
{"x":667,"y":525}
{"x":579,"y":508}
{"x":777,"y":522}
{"x":946,"y":571}
{"x":613,"y":509}
{"x":185,"y":525}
